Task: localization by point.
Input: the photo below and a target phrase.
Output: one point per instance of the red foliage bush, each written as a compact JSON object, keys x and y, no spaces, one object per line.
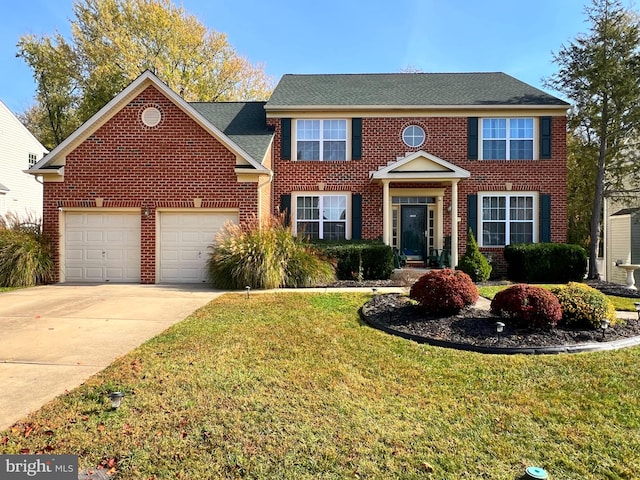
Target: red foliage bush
{"x":528,"y":306}
{"x":444,"y":291}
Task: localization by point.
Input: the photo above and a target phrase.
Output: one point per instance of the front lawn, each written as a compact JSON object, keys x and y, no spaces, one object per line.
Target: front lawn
{"x":294,"y":386}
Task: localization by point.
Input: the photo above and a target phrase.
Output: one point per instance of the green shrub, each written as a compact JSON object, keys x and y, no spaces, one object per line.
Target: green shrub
{"x":360,"y":260}
{"x":25,"y":254}
{"x":473,"y":262}
{"x":527,"y":306}
{"x":584,"y":306}
{"x":265,"y":256}
{"x":444,"y":291}
{"x":545,"y":262}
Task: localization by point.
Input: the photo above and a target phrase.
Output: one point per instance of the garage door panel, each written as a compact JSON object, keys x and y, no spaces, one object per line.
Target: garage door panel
{"x":94,"y":237}
{"x":93,"y":274}
{"x":185,"y":239}
{"x":102,"y":247}
{"x":190,"y":237}
{"x":92,"y":254}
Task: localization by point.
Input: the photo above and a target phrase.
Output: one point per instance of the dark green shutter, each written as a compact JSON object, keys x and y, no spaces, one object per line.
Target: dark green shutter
{"x":285,"y":146}
{"x":545,"y":218}
{"x":472,"y":138}
{"x":356,"y":216}
{"x":356,"y":139}
{"x":545,"y":137}
{"x":285,"y":207}
{"x":472,"y":215}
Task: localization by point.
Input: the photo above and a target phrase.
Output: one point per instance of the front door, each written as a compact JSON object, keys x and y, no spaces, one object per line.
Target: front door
{"x":413,"y":224}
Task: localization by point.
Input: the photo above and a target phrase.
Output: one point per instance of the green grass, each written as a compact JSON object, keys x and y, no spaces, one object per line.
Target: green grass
{"x":294,"y":386}
{"x":7,"y":289}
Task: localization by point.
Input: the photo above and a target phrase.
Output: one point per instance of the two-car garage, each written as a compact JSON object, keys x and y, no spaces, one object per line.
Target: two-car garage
{"x":105,"y":246}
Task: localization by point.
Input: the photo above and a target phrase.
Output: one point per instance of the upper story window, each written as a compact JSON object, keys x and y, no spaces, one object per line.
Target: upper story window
{"x":413,"y":136}
{"x":506,"y":219}
{"x":507,"y":139}
{"x":321,"y":139}
{"x":33,"y":159}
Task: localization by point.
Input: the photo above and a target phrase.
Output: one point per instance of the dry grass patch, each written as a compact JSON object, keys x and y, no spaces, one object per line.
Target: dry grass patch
{"x":294,"y":386}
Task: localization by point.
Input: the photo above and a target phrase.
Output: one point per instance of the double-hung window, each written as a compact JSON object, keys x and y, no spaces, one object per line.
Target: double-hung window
{"x":507,"y":139}
{"x":506,"y":219}
{"x":33,"y":159}
{"x":321,"y":139}
{"x":321,"y":216}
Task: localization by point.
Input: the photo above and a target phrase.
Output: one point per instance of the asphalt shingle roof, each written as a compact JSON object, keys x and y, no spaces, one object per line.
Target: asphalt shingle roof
{"x":243,"y":122}
{"x":407,"y":89}
{"x":626,"y":211}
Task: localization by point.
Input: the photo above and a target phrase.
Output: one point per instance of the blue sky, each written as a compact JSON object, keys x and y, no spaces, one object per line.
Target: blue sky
{"x":343,"y":36}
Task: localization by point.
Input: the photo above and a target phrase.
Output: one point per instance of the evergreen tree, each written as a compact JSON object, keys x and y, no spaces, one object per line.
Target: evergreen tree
{"x":599,"y":73}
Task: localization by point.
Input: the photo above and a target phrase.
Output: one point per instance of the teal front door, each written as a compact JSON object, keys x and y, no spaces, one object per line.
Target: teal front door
{"x":413,"y":224}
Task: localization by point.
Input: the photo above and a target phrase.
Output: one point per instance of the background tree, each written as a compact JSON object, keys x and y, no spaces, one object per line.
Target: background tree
{"x":113,"y":42}
{"x":599,"y":72}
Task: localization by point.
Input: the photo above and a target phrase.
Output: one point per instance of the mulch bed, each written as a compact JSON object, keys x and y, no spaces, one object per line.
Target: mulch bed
{"x":477,"y":327}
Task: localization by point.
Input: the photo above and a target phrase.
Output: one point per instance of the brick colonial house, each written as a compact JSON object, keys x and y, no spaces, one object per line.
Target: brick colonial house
{"x":138,"y":193}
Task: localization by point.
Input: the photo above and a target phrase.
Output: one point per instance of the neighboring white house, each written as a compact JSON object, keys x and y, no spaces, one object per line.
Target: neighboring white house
{"x":621,"y":238}
{"x":20,"y":193}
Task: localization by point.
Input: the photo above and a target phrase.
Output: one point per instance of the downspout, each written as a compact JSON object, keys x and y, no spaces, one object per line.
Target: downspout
{"x":260,"y":185}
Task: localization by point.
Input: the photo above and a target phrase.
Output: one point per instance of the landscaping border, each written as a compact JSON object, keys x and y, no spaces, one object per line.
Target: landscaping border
{"x":577,"y":348}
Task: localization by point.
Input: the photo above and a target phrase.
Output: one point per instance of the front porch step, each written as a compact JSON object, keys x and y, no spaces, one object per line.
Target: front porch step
{"x":407,"y":276}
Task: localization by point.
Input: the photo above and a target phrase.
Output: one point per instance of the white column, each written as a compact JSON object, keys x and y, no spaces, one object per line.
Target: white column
{"x":454,"y":224}
{"x":386,"y":213}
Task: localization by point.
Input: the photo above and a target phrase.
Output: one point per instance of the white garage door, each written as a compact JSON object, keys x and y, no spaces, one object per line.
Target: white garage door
{"x":185,"y":239}
{"x":102,"y":247}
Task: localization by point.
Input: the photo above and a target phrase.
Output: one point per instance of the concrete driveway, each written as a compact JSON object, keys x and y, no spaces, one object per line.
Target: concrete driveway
{"x":54,"y":337}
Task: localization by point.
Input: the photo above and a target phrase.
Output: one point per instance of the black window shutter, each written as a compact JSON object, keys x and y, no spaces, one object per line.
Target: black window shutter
{"x":545,"y":218}
{"x":356,"y":139}
{"x":285,"y":147}
{"x":472,"y":138}
{"x":545,"y":137}
{"x":356,"y":216}
{"x":472,"y":215}
{"x":285,"y":208}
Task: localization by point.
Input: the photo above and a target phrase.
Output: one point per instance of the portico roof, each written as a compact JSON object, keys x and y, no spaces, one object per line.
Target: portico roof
{"x":419,"y":165}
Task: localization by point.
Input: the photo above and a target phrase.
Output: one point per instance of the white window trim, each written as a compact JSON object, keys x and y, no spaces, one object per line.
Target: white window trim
{"x":294,"y":138}
{"x":508,"y":194}
{"x":294,"y":208}
{"x":536,"y":138}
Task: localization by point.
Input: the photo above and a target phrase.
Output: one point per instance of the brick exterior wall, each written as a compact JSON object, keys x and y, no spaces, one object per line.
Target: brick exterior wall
{"x":128,"y":164}
{"x":131,"y":165}
{"x":446,"y":139}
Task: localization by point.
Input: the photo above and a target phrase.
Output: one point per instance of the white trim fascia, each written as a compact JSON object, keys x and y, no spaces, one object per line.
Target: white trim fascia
{"x":115,"y":105}
{"x":389,"y":172}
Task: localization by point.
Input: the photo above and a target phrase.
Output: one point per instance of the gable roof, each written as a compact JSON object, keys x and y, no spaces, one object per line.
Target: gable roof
{"x":419,"y":165}
{"x":626,"y":211}
{"x":245,"y":123}
{"x":407,"y":90}
{"x":117,"y":103}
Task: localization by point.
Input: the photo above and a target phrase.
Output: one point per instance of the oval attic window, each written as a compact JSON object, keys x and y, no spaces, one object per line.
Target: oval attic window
{"x":151,"y":116}
{"x":413,"y":136}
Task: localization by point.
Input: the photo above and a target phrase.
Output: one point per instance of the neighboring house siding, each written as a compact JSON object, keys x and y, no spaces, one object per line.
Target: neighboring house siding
{"x":620,"y":244}
{"x":447,"y":138}
{"x":128,"y":164}
{"x":24,"y":194}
